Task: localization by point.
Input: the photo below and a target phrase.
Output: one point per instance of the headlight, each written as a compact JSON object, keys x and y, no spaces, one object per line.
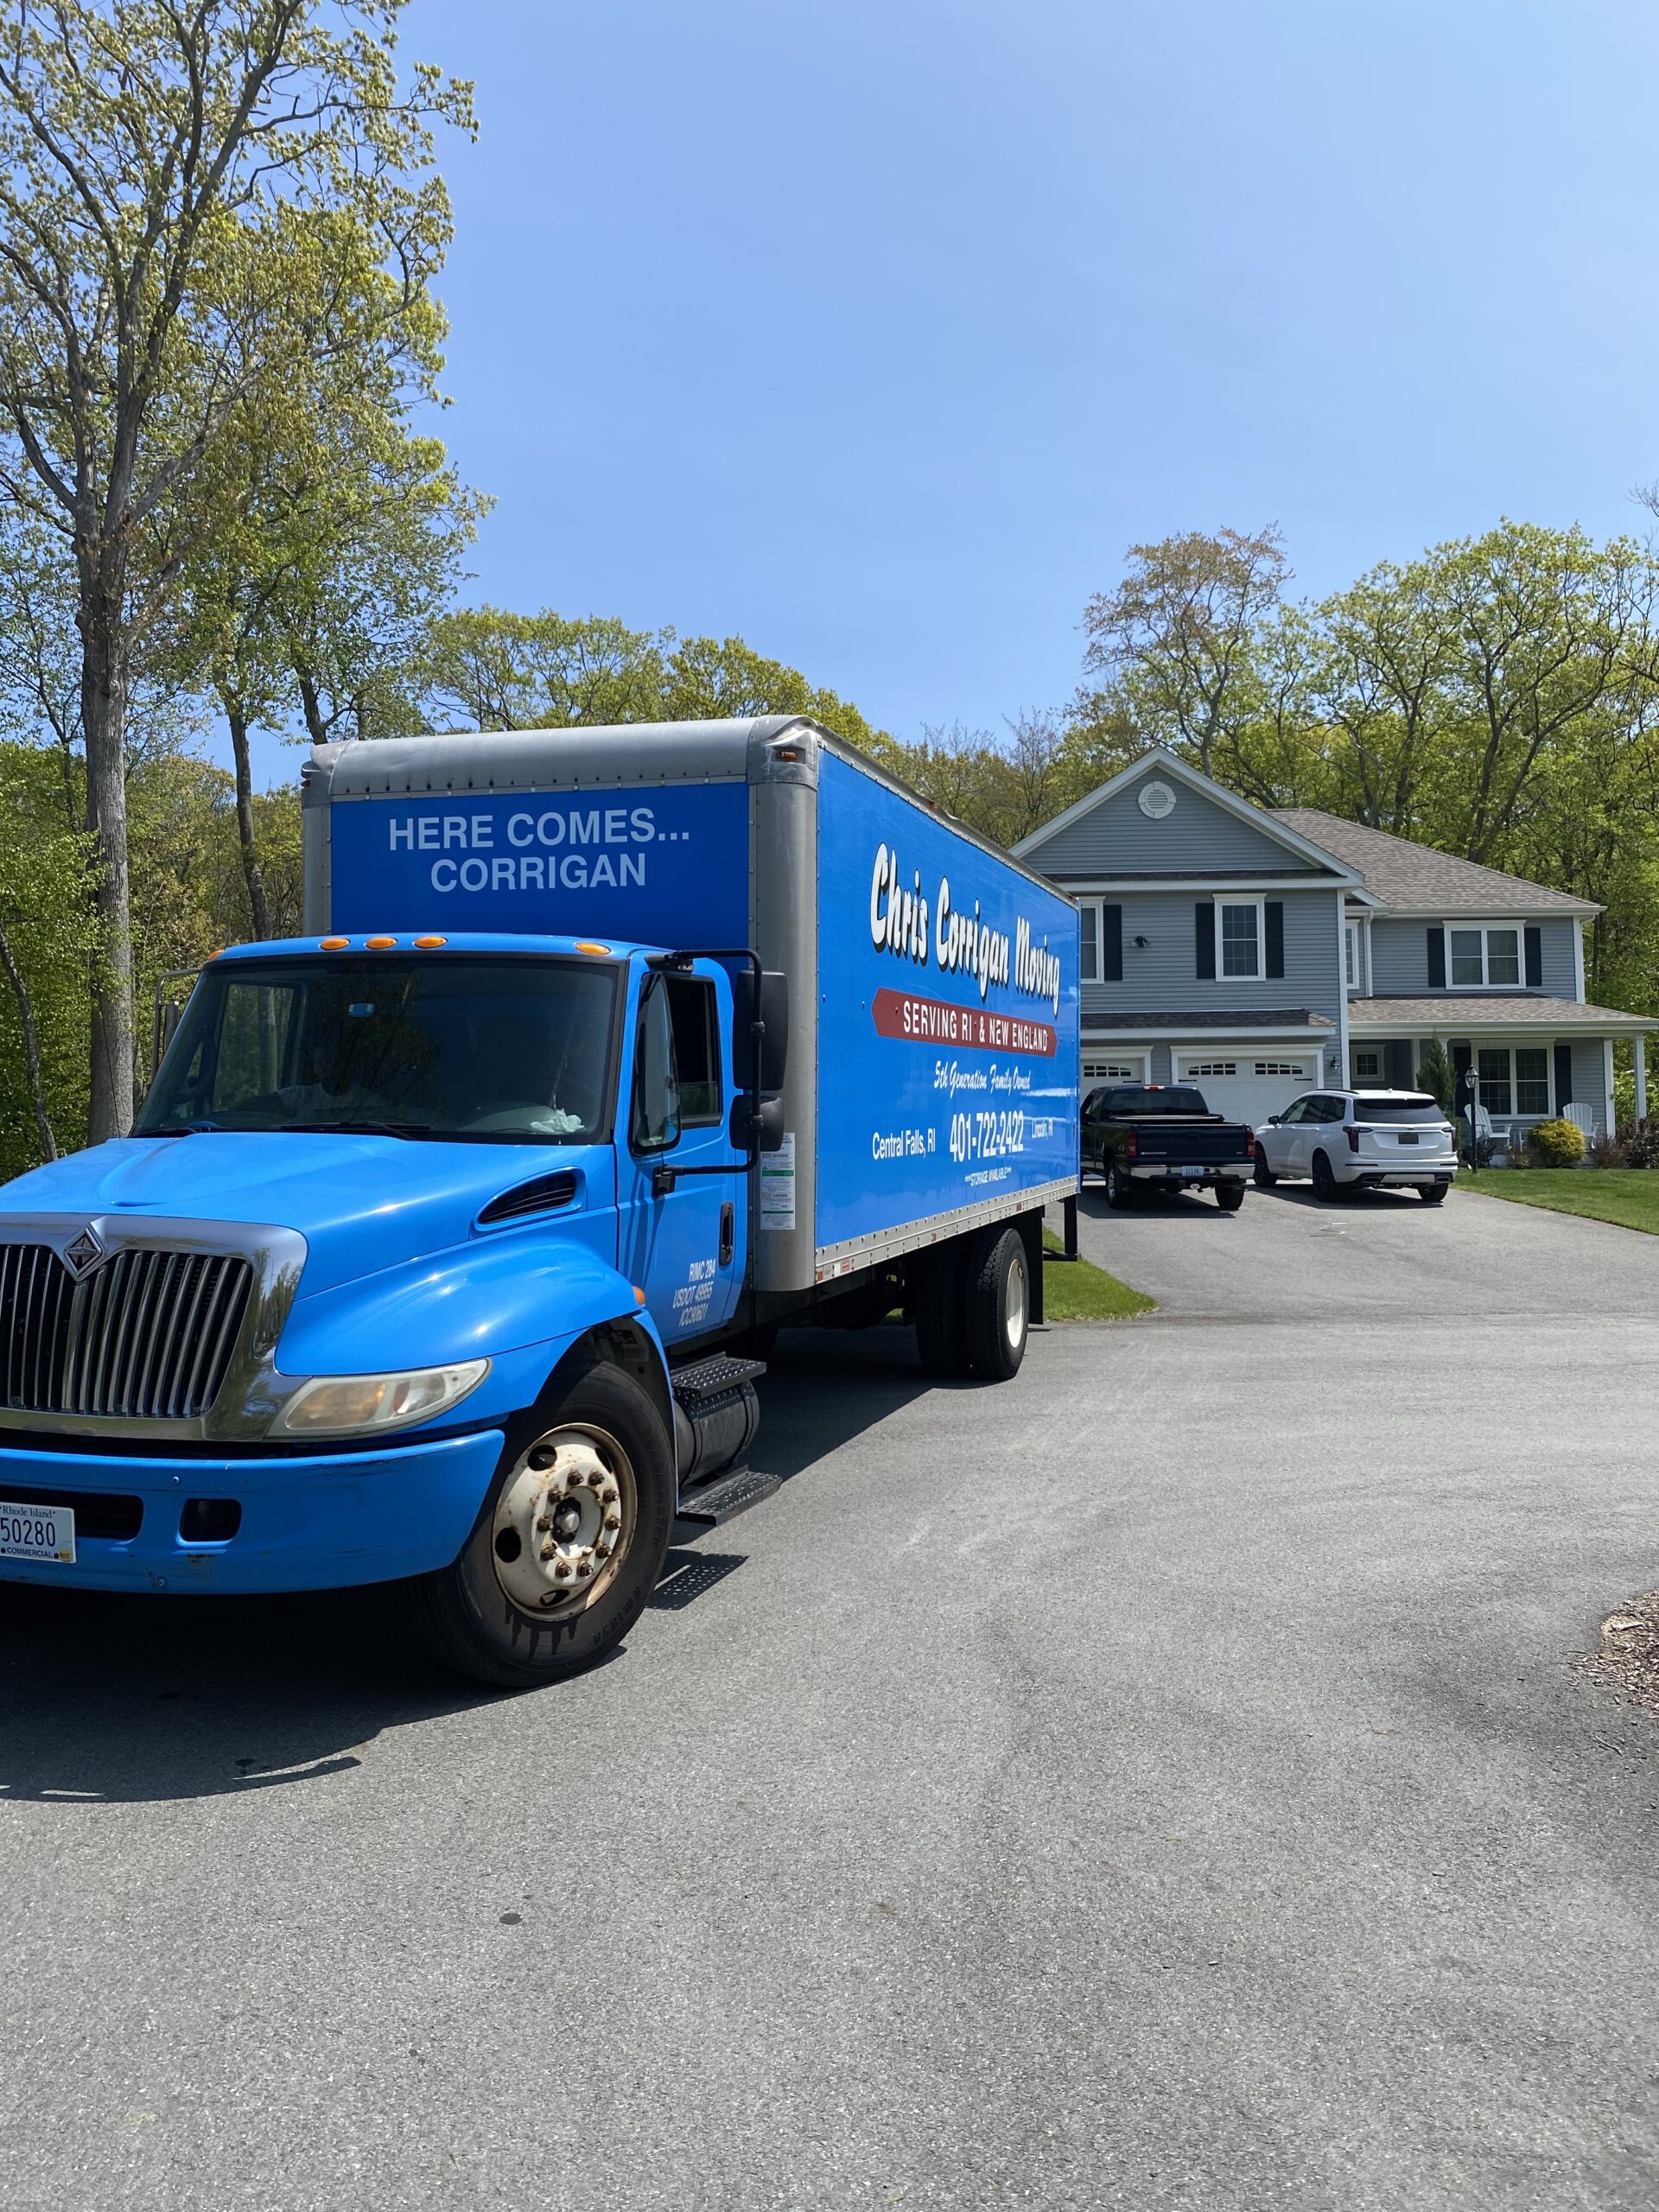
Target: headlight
{"x":342,"y":1405}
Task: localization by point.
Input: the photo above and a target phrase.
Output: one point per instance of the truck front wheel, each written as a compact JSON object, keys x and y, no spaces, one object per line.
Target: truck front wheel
{"x":567,"y":1548}
{"x":999,"y":1304}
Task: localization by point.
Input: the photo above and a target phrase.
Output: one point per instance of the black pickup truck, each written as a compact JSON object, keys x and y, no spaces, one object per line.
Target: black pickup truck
{"x":1147,"y":1136}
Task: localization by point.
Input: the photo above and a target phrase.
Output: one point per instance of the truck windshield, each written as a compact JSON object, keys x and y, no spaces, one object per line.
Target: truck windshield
{"x":462,"y":1048}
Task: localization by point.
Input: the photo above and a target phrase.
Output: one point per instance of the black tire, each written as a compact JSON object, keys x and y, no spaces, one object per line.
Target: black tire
{"x":1324,"y":1183}
{"x":1120,"y":1189}
{"x":938,"y":1282}
{"x":1261,"y":1174}
{"x":1229,"y":1196}
{"x":467,"y":1615}
{"x":1433,"y":1194}
{"x":998,"y":1304}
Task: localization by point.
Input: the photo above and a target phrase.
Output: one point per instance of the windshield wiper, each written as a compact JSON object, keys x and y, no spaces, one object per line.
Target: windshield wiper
{"x":184,"y":1129}
{"x":364,"y":1128}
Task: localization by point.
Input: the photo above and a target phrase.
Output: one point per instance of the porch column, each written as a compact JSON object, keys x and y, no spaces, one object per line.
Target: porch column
{"x":1639,"y":1049}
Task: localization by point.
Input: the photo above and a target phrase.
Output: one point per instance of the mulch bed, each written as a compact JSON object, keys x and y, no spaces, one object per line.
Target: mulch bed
{"x":1627,"y":1660}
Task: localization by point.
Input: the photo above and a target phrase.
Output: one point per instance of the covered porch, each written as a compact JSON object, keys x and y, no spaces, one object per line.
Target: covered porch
{"x":1535,"y":1058}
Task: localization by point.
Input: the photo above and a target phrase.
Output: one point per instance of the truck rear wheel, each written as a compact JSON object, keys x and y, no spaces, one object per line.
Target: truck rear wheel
{"x":1229,"y":1196}
{"x":567,"y":1548}
{"x":998,"y":1304}
{"x":938,"y":1297}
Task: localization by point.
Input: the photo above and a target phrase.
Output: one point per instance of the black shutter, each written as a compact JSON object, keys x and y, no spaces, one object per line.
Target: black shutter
{"x":1535,"y":958}
{"x":1461,"y":1057}
{"x":1437,"y":960}
{"x":1396,"y":1062}
{"x":1204,"y":924}
{"x":1275,"y":913}
{"x":1111,"y":944}
{"x":1563,"y":1077}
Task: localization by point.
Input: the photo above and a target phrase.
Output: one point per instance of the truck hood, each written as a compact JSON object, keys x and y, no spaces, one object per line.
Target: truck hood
{"x":361,"y":1202}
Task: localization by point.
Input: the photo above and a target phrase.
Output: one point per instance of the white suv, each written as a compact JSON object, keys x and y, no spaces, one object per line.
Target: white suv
{"x":1371,"y":1138}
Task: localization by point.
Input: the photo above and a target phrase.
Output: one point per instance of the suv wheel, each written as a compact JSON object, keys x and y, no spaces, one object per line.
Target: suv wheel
{"x":1324,"y":1183}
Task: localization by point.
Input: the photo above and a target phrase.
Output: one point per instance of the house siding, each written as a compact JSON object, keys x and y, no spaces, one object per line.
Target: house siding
{"x":1590,"y":1078}
{"x":1114,"y":838}
{"x":1164,"y":978}
{"x":1399,"y":958}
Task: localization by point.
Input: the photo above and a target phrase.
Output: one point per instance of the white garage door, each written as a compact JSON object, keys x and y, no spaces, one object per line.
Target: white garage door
{"x":1244,"y":1086}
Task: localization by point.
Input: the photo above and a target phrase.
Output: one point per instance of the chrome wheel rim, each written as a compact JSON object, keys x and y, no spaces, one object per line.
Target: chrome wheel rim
{"x":1014,"y":1304}
{"x":564,"y":1521}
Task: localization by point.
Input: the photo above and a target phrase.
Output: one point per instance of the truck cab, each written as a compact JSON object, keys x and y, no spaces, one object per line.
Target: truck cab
{"x":395,"y":1207}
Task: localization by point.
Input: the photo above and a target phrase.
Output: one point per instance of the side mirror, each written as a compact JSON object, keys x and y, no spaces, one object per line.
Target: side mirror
{"x":756,"y":1124}
{"x":774,"y":1013}
{"x":1273,"y":1120}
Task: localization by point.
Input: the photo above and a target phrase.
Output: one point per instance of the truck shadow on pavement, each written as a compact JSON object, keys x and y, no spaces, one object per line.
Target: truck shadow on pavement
{"x":132,"y":1700}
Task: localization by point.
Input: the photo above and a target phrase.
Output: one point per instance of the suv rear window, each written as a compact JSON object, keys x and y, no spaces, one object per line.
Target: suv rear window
{"x":1397,"y":1109}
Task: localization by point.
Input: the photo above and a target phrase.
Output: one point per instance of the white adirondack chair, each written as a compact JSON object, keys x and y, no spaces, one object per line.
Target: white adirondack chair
{"x":1584,"y":1118}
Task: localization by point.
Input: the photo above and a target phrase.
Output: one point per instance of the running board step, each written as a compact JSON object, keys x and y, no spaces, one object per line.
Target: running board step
{"x":704,"y":1379}
{"x":722,"y":1497}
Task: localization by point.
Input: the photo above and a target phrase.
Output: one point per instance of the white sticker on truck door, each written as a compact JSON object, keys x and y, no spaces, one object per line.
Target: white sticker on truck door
{"x":778,"y":1185}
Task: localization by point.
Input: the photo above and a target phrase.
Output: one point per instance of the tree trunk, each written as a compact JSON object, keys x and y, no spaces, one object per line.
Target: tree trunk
{"x":103,"y":723}
{"x":31,"y":1045}
{"x":311,"y":706}
{"x":258,"y":905}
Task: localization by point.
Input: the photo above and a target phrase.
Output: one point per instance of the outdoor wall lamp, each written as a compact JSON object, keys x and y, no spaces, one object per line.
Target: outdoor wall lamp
{"x":1141,"y":944}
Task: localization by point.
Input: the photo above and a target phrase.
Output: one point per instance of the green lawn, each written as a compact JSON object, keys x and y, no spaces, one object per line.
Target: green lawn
{"x":1079,"y":1290}
{"x":1626,"y":1196}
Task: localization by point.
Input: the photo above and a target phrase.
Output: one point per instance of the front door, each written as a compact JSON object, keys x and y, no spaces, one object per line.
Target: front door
{"x":686,"y":1246}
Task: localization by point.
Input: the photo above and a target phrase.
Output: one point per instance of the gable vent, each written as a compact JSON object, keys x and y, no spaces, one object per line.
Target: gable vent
{"x":545,"y":1195}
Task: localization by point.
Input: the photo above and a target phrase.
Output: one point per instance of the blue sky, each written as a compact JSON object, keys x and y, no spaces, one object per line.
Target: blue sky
{"x":875,"y":330}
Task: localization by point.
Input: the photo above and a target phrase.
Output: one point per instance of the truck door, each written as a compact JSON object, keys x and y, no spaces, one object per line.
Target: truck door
{"x":684,"y":1247}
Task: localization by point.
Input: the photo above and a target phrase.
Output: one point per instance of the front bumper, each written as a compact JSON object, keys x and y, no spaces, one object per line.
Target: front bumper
{"x":306,"y":1523}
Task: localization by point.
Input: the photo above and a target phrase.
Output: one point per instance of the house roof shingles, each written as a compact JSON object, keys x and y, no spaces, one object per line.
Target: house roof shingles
{"x":1460,"y":1011}
{"x":1420,"y":881}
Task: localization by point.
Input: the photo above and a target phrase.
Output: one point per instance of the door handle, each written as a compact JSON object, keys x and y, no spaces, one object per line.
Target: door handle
{"x":728,"y":1234}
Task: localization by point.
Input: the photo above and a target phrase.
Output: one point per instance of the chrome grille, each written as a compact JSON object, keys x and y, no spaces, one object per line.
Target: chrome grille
{"x":36,"y":1291}
{"x":148,"y":1336}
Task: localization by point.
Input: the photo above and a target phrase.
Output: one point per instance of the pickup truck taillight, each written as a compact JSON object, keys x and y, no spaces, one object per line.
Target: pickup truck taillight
{"x":1131,"y":1144}
{"x":1352,"y":1136}
{"x":1250,"y":1144}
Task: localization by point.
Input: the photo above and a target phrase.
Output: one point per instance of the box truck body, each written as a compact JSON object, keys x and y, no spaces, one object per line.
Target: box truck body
{"x":449,"y":1234}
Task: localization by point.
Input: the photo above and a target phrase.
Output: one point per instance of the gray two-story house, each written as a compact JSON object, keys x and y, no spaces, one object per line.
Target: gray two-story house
{"x":1259,"y":954}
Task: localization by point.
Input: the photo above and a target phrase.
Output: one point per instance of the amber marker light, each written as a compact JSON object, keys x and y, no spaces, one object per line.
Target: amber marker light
{"x":583,"y":946}
{"x":378,"y":943}
{"x":638,"y":1295}
{"x":335,"y":944}
{"x":430,"y":943}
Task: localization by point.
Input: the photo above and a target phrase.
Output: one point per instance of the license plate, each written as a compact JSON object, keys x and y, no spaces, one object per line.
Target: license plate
{"x":1406,"y":1138}
{"x":37,"y":1532}
{"x":1196,"y":1171}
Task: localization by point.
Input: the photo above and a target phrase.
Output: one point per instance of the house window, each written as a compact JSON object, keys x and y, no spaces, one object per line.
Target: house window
{"x":1351,"y":955}
{"x":1088,"y":966}
{"x":1531,"y":1079}
{"x":1485,"y":959}
{"x":1241,"y":939}
{"x":1513,"y":1082}
{"x":1368,"y":1066}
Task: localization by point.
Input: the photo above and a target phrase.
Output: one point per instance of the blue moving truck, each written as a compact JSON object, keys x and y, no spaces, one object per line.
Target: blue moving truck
{"x":451,"y":1237}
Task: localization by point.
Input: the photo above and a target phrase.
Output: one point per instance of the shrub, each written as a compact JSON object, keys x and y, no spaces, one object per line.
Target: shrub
{"x":1558,"y":1143}
{"x":1608,"y":1152}
{"x":1639,"y":1141}
{"x":1437,"y":1075}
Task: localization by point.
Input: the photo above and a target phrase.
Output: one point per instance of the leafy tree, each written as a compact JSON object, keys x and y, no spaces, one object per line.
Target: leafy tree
{"x":1172,"y":643}
{"x":483,"y":668}
{"x":196,"y":205}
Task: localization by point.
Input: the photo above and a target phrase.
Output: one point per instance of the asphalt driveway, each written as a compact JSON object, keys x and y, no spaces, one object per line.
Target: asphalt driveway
{"x":1159,"y":1781}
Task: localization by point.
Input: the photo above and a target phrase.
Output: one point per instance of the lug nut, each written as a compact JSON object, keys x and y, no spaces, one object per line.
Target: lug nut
{"x":547,"y":1551}
{"x":584,"y":1566}
{"x":544,"y":1525}
{"x":612,"y":1520}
